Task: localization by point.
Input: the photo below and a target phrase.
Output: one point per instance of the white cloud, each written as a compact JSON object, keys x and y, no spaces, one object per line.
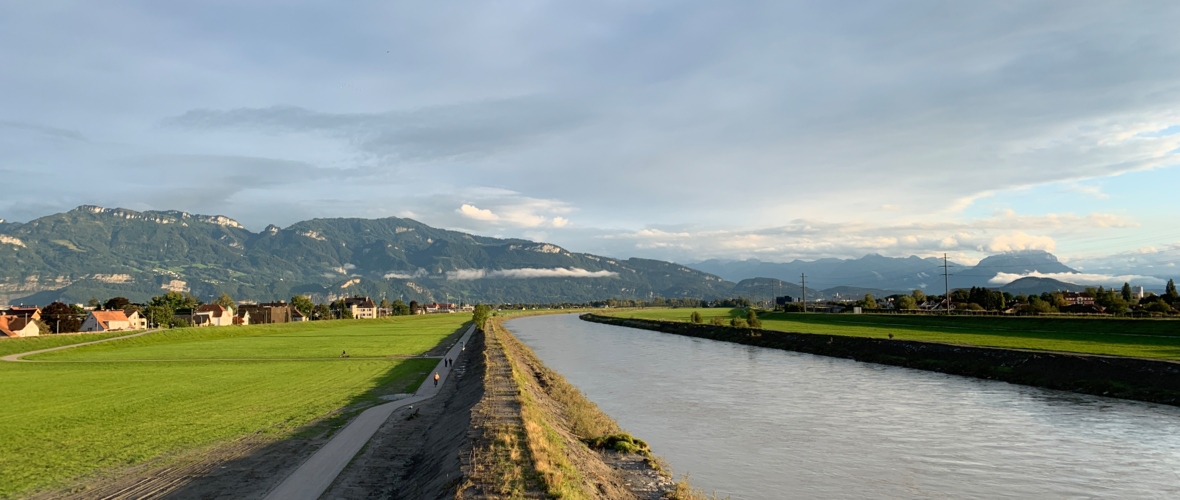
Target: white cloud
{"x":473,"y":212}
{"x":401,"y":275}
{"x":1088,"y":279}
{"x":560,"y":222}
{"x":1020,"y":240}
{"x":526,"y":273}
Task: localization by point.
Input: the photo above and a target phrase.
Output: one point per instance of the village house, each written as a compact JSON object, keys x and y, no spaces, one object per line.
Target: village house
{"x":1077,"y":299}
{"x":106,"y":321}
{"x":16,"y":326}
{"x":361,"y":307}
{"x":436,"y":308}
{"x":213,"y":315}
{"x":31,"y":312}
{"x":138,"y":322}
{"x":297,"y":317}
{"x":268,"y":313}
{"x":242,"y":317}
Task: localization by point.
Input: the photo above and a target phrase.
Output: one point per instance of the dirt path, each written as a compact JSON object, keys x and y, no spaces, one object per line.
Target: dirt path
{"x":498,"y":465}
{"x":312,"y":478}
{"x":17,"y":357}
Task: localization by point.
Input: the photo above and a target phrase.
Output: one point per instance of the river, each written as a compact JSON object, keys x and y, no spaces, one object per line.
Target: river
{"x":756,"y":423}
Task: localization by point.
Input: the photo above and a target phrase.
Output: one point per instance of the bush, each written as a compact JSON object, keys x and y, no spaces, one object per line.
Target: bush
{"x":622,"y":443}
{"x":695,"y":317}
{"x":718,"y":321}
{"x":738,"y":323}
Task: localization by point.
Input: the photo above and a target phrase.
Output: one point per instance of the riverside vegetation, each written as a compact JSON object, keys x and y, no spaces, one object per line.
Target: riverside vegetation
{"x":1143,"y":338}
{"x":103,"y":407}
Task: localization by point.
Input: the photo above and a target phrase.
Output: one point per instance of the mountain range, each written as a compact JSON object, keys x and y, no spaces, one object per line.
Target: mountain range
{"x":96,"y":252}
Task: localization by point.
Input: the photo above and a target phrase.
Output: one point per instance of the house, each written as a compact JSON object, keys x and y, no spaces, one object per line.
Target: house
{"x":213,"y":315}
{"x":138,"y":322}
{"x":16,"y":326}
{"x":297,"y":317}
{"x":437,"y":308}
{"x":1077,"y":299}
{"x":361,"y":307}
{"x":268,"y":313}
{"x":242,"y":317}
{"x":106,"y":321}
{"x":32,"y":312}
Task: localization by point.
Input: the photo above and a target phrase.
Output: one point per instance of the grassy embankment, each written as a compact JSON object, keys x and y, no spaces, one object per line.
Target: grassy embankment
{"x":559,"y":428}
{"x":120,"y":403}
{"x":1141,"y":338}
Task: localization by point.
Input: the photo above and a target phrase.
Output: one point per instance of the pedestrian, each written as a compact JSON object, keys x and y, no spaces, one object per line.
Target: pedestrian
{"x":436,"y":379}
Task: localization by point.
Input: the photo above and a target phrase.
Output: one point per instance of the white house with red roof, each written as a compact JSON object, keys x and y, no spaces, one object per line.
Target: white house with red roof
{"x":16,"y":326}
{"x":213,"y":315}
{"x":106,"y":321}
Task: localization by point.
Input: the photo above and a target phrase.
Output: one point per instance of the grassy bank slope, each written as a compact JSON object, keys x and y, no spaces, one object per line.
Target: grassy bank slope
{"x":542,"y":437}
{"x":1143,"y":338}
{"x":106,"y":408}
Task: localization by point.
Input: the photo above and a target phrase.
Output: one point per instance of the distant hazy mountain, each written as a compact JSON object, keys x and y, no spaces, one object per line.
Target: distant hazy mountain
{"x":1033,"y":286}
{"x":889,"y":274}
{"x":871,"y":271}
{"x":101,"y":252}
{"x":1017,"y":263}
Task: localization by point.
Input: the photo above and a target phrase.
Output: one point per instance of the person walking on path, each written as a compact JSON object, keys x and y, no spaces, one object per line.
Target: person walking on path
{"x":436,"y":379}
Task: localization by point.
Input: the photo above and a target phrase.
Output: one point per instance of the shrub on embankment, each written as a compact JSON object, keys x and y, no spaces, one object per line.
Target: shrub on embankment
{"x":1130,"y":378}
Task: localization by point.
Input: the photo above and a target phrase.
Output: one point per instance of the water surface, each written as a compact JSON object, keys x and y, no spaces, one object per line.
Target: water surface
{"x":757,"y":423}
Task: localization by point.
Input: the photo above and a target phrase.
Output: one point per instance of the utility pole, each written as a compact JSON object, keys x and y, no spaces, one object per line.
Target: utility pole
{"x":946,"y":279}
{"x":803,"y":278}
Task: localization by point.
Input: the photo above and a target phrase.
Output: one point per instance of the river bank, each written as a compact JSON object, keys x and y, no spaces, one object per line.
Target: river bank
{"x":1128,"y":378}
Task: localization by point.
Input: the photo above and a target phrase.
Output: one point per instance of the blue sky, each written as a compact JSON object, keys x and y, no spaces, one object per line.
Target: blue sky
{"x":680,"y":130}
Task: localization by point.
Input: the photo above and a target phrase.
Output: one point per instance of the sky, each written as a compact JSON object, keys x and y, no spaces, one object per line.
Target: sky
{"x":678,"y":130}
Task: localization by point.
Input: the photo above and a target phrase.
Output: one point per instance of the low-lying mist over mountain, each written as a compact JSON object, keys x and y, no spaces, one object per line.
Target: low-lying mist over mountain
{"x":95,"y":252}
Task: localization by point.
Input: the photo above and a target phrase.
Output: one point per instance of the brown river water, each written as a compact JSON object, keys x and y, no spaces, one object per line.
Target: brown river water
{"x":756,"y":423}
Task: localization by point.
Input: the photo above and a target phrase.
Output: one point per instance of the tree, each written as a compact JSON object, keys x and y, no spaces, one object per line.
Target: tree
{"x":414,"y":307}
{"x":695,"y":317}
{"x":340,"y":310}
{"x":1170,"y":294}
{"x":116,"y":303}
{"x":1127,"y":295}
{"x":61,"y":318}
{"x":399,"y":308}
{"x":717,"y":321}
{"x":869,"y":302}
{"x":906,"y":302}
{"x":303,"y":304}
{"x":738,"y":323}
{"x":321,"y":311}
{"x":919,"y":296}
{"x":158,"y":314}
{"x":752,"y":318}
{"x":93,"y":303}
{"x":175,"y":300}
{"x":225,"y":301}
{"x":480,"y":316}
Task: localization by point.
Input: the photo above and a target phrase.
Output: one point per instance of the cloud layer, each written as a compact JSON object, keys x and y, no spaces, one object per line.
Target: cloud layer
{"x":668,"y":129}
{"x":527,"y":273}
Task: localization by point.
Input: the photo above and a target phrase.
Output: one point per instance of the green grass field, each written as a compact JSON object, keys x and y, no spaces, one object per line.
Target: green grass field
{"x":123,"y":402}
{"x":1143,"y":338}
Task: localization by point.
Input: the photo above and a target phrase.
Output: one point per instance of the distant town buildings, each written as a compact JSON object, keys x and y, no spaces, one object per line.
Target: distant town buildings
{"x":361,"y":307}
{"x":1077,"y":299}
